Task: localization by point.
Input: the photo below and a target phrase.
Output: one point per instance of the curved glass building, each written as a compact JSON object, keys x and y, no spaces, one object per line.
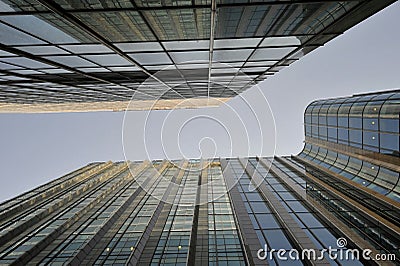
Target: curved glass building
{"x":351,"y":156}
{"x":358,"y":138}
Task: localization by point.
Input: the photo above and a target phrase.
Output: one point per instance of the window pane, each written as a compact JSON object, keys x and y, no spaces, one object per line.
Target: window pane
{"x":389,"y":141}
{"x":370,"y":123}
{"x":355,"y":136}
{"x":389,"y":125}
{"x":355,"y":122}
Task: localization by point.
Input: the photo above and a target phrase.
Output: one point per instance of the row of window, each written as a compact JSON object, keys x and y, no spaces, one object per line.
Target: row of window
{"x":382,"y":142}
{"x":370,"y":122}
{"x":100,"y":186}
{"x":39,"y":193}
{"x":268,"y":230}
{"x":379,"y":236}
{"x":173,"y":245}
{"x":134,"y":224}
{"x":194,"y":23}
{"x":374,"y":124}
{"x":224,"y":245}
{"x":383,"y":105}
{"x":375,"y":177}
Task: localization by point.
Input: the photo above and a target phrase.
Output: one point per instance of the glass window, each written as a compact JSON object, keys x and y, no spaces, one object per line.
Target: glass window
{"x":38,"y":27}
{"x":332,"y":133}
{"x":231,"y":55}
{"x":308,"y":130}
{"x":270,"y":53}
{"x":343,"y":135}
{"x":296,"y":206}
{"x":314,"y":118}
{"x":389,"y":142}
{"x":260,"y":207}
{"x":109,"y":60}
{"x":390,"y":109}
{"x":254,"y":221}
{"x":187,"y":45}
{"x":314,"y":131}
{"x":389,"y":125}
{"x":26,"y":62}
{"x":151,"y":58}
{"x":370,"y":123}
{"x":331,"y":157}
{"x":370,"y":138}
{"x":287,"y":196}
{"x":325,"y":237}
{"x":372,"y":109}
{"x":236,"y":43}
{"x":355,"y":136}
{"x":268,"y":63}
{"x":333,"y":109}
{"x":309,"y":220}
{"x":332,"y":120}
{"x":139,"y":46}
{"x":309,"y":108}
{"x":343,"y":121}
{"x":354,"y":164}
{"x":277,"y":239}
{"x":43,"y":50}
{"x":72,"y":61}
{"x":281,"y":41}
{"x":8,"y":66}
{"x":125,"y":68}
{"x":355,"y":122}
{"x":87,"y":48}
{"x":323,"y":132}
{"x":389,"y":176}
{"x":343,"y":113}
{"x":322,"y":119}
{"x":254,"y":197}
{"x":357,"y":109}
{"x":183,"y":57}
{"x":267,"y":221}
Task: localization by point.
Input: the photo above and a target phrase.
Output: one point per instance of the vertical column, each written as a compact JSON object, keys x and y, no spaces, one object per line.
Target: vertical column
{"x":295,"y":233}
{"x":144,"y":252}
{"x":245,"y":227}
{"x":199,"y":239}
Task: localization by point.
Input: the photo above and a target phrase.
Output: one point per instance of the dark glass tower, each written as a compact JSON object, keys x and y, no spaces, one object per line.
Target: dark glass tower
{"x":226,"y":211}
{"x":67,"y":55}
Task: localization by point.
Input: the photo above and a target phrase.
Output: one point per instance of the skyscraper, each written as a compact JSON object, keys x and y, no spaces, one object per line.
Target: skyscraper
{"x":58,"y":56}
{"x":338,"y":196}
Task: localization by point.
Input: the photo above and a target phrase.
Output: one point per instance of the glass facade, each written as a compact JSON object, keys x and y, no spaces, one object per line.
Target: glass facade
{"x":356,"y":209}
{"x":352,"y":152}
{"x":369,"y":122}
{"x":370,"y":175}
{"x":357,"y":138}
{"x":105,"y":214}
{"x":54,"y":52}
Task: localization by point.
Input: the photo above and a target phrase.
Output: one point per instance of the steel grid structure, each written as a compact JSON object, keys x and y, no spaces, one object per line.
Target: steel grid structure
{"x":81,"y":54}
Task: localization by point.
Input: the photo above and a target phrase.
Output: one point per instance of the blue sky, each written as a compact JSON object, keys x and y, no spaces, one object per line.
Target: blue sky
{"x":36,"y":148}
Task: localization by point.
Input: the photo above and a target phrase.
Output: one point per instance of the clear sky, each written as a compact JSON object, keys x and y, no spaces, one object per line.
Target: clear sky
{"x":35,"y":148}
